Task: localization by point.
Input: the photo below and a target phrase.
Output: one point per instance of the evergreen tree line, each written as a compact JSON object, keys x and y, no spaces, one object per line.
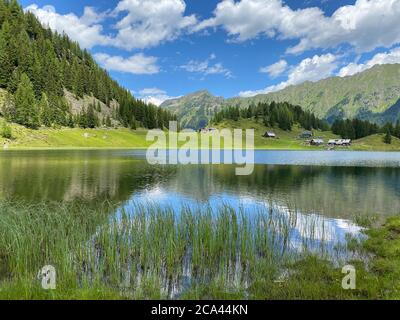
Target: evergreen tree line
{"x":357,"y":129}
{"x":282,"y":115}
{"x":394,"y":130}
{"x":37,"y":64}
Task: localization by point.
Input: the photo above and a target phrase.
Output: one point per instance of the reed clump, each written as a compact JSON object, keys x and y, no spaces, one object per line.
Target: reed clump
{"x":148,"y":252}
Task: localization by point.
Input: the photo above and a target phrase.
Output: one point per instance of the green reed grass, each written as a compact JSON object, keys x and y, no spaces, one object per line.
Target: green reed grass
{"x":148,"y":252}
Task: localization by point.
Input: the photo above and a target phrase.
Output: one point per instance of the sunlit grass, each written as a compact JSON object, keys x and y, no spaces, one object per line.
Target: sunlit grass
{"x":102,"y":138}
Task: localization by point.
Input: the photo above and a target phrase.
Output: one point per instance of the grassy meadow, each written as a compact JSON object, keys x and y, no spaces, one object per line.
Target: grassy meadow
{"x":286,"y":140}
{"x":374,"y":142}
{"x":67,"y":138}
{"x":123,"y":138}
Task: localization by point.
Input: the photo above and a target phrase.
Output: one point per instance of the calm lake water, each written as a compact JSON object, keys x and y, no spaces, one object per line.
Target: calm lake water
{"x":332,"y":186}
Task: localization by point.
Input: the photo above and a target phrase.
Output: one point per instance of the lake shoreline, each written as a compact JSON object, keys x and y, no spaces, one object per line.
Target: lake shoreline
{"x":122,"y":138}
{"x":12,"y":148}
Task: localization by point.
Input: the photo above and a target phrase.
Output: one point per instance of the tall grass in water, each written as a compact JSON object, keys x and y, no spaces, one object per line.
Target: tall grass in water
{"x":32,"y":236}
{"x":142,"y":252}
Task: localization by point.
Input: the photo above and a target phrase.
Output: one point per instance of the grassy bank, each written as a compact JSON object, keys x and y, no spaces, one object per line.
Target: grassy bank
{"x":66,"y":138}
{"x":153,"y":253}
{"x":286,"y":140}
{"x":289,"y":140}
{"x":121,"y":138}
{"x":375,"y":142}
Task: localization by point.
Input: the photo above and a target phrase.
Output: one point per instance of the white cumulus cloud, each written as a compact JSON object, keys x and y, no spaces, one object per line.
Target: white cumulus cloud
{"x":366,"y":25}
{"x":310,"y":69}
{"x":207,"y":67}
{"x":390,"y":57}
{"x":85,"y":29}
{"x":136,"y":64}
{"x":139,"y":23}
{"x":147,"y":23}
{"x":276,"y":69}
{"x":155,"y":96}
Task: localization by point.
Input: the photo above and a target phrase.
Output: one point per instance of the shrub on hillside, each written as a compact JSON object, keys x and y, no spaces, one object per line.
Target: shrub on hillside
{"x":5,"y":130}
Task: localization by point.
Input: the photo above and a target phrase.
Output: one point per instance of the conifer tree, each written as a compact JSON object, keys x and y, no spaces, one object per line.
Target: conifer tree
{"x":59,"y":109}
{"x":26,"y":110}
{"x":397,"y":129}
{"x":133,"y":123}
{"x":82,"y":119}
{"x":6,"y":67}
{"x":37,"y":75}
{"x":24,"y":53}
{"x":70,"y":121}
{"x":3,"y":11}
{"x":91,"y":118}
{"x":45,"y":112}
{"x":388,"y":137}
{"x":108,"y":122}
{"x":16,"y":14}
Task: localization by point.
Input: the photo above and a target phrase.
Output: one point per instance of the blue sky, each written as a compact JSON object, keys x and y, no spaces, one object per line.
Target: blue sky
{"x":168,"y":48}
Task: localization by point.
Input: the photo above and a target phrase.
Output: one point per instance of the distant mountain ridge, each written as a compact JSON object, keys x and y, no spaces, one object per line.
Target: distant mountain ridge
{"x":370,"y":95}
{"x":196,"y":109}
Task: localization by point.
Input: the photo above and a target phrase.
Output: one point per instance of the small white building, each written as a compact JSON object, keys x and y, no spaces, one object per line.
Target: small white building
{"x":340,"y":142}
{"x":317,"y":142}
{"x":269,"y":134}
{"x":347,"y":142}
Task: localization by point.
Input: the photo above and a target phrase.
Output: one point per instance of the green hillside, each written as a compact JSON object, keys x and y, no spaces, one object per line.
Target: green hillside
{"x":289,"y":140}
{"x":366,"y":95}
{"x":74,"y":138}
{"x":52,"y":82}
{"x":286,"y":140}
{"x":78,"y":138}
{"x":372,"y":95}
{"x":375,"y":142}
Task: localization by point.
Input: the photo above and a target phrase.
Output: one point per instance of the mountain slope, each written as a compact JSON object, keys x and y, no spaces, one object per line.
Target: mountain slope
{"x":194,"y":110}
{"x":371,"y":95}
{"x":38,"y":66}
{"x":372,"y":91}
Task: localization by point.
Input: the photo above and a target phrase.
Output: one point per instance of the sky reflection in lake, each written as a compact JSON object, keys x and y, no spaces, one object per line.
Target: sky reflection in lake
{"x":326,"y":188}
{"x":311,"y":231}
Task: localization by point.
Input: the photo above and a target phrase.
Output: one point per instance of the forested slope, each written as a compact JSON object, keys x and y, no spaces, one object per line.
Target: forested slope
{"x":39,"y":67}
